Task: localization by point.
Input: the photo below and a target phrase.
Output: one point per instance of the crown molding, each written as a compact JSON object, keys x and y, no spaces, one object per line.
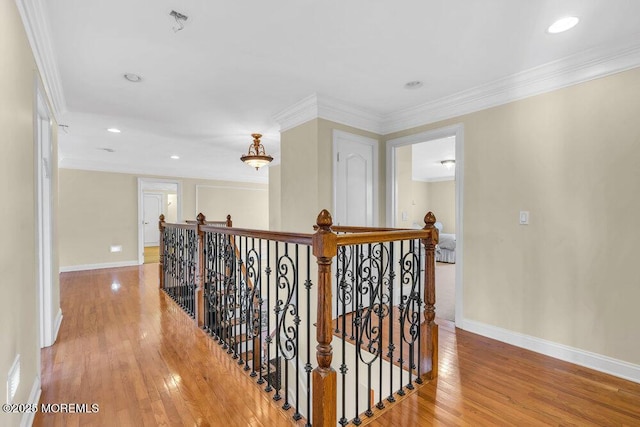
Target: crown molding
{"x":301,"y":112}
{"x":316,"y":106}
{"x":98,"y":166}
{"x":578,"y":68}
{"x":36,"y":25}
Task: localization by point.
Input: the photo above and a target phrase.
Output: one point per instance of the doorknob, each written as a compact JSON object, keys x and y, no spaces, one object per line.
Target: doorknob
{"x":145,"y":222}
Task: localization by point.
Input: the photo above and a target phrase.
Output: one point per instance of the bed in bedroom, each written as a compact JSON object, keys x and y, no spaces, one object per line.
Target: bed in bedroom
{"x":446,"y":247}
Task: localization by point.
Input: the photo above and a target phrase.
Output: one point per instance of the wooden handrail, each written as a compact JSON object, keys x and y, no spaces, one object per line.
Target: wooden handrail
{"x":278,"y":236}
{"x":325,"y":243}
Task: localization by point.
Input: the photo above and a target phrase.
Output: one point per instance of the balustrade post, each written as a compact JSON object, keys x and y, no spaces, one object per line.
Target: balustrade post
{"x":199,"y":296}
{"x":161,"y":251}
{"x":429,"y":328}
{"x":229,"y":222}
{"x":324,"y":376}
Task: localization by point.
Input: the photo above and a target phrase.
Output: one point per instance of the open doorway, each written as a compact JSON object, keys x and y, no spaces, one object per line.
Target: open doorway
{"x":155,"y":197}
{"x":421,"y":178}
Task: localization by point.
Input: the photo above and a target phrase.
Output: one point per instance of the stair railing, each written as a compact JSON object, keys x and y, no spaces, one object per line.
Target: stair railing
{"x":255,"y":295}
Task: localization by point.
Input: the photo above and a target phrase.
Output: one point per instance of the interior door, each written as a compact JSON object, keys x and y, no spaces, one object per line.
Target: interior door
{"x":152,"y":208}
{"x":356,"y":176}
{"x":355,"y":166}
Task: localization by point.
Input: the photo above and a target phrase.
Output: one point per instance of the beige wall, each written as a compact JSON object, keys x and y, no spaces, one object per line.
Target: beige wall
{"x":306,"y":173}
{"x":275,"y":199}
{"x":441,"y":201}
{"x":248,"y":204}
{"x":100,"y":209}
{"x":570,"y":158}
{"x":18,"y":263}
{"x":416,"y":198}
{"x":404,"y":187}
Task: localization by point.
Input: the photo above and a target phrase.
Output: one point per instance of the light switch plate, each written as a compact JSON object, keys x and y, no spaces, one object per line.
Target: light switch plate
{"x":524,"y":217}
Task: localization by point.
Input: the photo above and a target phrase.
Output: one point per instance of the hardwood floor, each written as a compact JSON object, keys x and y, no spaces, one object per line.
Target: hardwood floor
{"x":127,"y":347}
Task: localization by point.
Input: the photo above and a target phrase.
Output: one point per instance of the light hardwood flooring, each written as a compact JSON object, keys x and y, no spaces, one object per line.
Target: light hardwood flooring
{"x":151,"y":254}
{"x":127,"y":347}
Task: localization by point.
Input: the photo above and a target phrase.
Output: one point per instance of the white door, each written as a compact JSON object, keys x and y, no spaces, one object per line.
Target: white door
{"x":355,"y":193}
{"x":152,"y":208}
{"x":355,"y":179}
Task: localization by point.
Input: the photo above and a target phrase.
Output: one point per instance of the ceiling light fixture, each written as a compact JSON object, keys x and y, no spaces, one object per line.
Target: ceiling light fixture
{"x":180,"y":20}
{"x":448,"y":163}
{"x":114,"y":130}
{"x":563,"y":24}
{"x":108,"y":150}
{"x":174,"y":157}
{"x":256,"y":157}
{"x":133,"y":78}
{"x":415,"y":84}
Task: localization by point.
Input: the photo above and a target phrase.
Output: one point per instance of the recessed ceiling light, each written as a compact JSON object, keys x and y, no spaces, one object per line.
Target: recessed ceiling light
{"x":114,"y":130}
{"x":134,"y":78}
{"x":563,"y":24}
{"x":415,"y":84}
{"x":174,"y":157}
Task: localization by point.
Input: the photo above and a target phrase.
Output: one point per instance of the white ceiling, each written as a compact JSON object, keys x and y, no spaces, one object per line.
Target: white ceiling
{"x":235,"y":65}
{"x":426,"y":158}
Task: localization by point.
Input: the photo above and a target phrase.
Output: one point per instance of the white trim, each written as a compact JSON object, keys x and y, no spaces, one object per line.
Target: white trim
{"x":301,"y":112}
{"x":99,"y":166}
{"x":142,"y":180}
{"x":44,"y":171}
{"x":374,"y":144}
{"x":316,"y":106}
{"x":34,"y":399}
{"x":599,"y":362}
{"x":36,"y":25}
{"x":441,"y":179}
{"x":56,"y":325}
{"x":577,"y":68}
{"x":456,"y":130}
{"x":100,"y":266}
{"x":222,"y":187}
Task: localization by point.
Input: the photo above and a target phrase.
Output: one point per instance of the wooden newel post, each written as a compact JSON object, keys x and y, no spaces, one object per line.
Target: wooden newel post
{"x":324,"y":376}
{"x":229,"y":222}
{"x":429,"y":328}
{"x":200,"y":272}
{"x":161,"y":251}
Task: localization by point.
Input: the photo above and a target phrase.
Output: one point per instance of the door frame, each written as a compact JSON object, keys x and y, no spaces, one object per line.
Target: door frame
{"x":141,"y":182}
{"x":358,"y":139}
{"x":44,"y":171}
{"x":456,"y":130}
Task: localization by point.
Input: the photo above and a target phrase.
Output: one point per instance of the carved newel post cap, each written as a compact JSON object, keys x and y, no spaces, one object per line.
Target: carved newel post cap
{"x":228,"y":217}
{"x":200,"y":218}
{"x":429,"y":218}
{"x":324,"y":219}
{"x":161,"y":217}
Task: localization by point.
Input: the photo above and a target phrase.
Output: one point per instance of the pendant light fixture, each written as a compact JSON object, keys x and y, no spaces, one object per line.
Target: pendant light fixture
{"x":256,"y":157}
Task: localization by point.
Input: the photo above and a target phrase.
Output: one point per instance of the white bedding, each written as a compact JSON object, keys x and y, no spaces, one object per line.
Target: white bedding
{"x":446,"y":248}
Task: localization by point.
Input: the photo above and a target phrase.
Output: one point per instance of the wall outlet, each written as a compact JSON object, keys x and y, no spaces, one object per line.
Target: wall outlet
{"x":115,"y":248}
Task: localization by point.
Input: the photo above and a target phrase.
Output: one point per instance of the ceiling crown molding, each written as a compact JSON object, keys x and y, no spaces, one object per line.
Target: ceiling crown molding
{"x":36,"y":25}
{"x":316,"y":106}
{"x":578,"y":68}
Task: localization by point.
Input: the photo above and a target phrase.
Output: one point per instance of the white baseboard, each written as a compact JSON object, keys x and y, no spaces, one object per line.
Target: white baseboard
{"x":606,"y":364}
{"x":56,"y":327}
{"x":34,"y":399}
{"x":69,"y":268}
